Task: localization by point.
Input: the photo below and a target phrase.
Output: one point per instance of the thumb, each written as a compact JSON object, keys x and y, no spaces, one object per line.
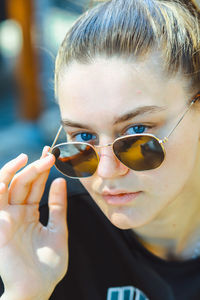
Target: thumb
{"x":58,"y":205}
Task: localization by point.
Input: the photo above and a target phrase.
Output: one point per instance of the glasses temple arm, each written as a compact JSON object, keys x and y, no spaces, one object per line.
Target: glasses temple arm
{"x":166,"y":138}
{"x":56,"y":137}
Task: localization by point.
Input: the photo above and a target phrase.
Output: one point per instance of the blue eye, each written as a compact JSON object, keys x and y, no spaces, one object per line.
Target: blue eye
{"x":84,"y":137}
{"x":137,"y":129}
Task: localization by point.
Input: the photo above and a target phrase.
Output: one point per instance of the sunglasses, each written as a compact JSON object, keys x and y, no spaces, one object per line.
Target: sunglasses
{"x":138,"y":152}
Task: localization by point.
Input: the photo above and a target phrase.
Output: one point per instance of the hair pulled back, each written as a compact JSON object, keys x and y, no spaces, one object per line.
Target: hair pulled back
{"x":134,"y":29}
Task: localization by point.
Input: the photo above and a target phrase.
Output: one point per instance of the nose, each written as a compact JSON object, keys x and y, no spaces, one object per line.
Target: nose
{"x":109,"y":165}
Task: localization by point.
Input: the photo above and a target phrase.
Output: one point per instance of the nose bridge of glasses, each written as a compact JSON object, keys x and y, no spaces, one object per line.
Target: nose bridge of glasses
{"x":101,"y":150}
{"x":103,"y":146}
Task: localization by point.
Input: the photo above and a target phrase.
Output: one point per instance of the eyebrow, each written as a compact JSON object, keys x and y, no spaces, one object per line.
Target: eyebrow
{"x":126,"y":117}
{"x":139,"y":111}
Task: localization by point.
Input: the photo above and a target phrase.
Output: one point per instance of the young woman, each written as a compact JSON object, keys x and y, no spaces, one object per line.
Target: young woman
{"x":127,"y":83}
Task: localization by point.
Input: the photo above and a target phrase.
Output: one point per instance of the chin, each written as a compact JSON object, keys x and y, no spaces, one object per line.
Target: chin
{"x":126,"y":218}
{"x":121,"y":221}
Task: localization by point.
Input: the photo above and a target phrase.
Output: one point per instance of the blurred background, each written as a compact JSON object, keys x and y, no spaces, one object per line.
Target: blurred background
{"x":30,"y":34}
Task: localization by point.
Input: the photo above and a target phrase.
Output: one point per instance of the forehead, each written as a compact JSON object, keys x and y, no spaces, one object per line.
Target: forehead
{"x":108,"y":88}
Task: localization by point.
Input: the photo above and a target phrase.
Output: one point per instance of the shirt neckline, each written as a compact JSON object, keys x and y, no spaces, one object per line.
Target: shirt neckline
{"x":132,"y":237}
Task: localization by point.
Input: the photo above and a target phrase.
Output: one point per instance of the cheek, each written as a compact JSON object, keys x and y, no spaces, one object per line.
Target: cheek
{"x":177,"y":168}
{"x":93,"y":184}
{"x":161,"y":186}
{"x":87,"y":183}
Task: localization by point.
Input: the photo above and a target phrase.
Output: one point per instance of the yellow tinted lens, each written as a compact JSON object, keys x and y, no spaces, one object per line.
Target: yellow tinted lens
{"x":75,"y":159}
{"x":139,"y":153}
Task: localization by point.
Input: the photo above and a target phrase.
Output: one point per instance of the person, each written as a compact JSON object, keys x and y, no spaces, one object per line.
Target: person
{"x":127,"y":83}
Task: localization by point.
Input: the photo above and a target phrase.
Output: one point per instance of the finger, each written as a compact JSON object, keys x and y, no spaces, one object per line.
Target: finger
{"x":45,"y":151}
{"x":58,"y":205}
{"x":8,"y":170}
{"x":37,"y":189}
{"x":3,"y":195}
{"x":38,"y":186}
{"x":22,"y":182}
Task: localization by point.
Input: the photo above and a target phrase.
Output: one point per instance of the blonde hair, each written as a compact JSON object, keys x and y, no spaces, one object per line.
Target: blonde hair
{"x":133,"y":29}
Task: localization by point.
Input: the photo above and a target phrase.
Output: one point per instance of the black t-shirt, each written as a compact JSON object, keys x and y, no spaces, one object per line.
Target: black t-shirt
{"x":106,"y":263}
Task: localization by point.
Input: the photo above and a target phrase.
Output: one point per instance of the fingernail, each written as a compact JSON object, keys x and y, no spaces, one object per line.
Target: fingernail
{"x":45,"y":162}
{"x":22,"y":155}
{"x":60,"y":183}
{"x":45,"y":149}
{"x":48,"y":157}
{"x":60,"y":180}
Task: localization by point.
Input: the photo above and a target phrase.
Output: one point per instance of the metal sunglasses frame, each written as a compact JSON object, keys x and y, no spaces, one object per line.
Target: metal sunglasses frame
{"x":160,"y":141}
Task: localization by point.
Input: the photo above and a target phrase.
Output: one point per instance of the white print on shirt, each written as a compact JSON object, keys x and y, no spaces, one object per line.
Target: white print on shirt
{"x":125,"y":293}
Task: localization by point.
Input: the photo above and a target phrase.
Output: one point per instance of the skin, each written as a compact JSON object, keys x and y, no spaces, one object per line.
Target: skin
{"x":166,"y":213}
{"x":43,"y":258}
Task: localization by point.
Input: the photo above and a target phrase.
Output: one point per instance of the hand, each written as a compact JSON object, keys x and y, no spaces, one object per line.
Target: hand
{"x":33,"y":258}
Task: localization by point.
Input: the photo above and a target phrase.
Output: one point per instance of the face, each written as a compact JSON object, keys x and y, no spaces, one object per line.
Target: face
{"x":96,"y":103}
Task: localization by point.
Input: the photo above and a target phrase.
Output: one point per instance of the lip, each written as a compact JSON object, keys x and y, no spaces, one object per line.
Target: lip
{"x":119,"y":198}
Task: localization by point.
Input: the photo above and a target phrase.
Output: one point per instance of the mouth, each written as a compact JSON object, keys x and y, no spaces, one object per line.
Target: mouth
{"x":120,"y":198}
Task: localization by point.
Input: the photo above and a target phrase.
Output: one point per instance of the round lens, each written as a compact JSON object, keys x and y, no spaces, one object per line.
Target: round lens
{"x":76,"y":159}
{"x":139,"y":153}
